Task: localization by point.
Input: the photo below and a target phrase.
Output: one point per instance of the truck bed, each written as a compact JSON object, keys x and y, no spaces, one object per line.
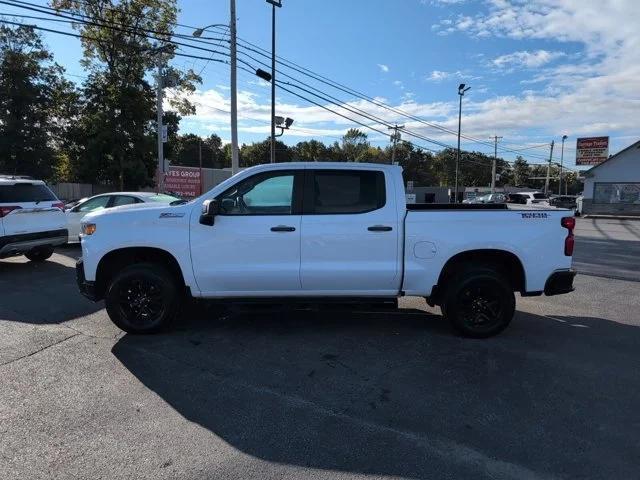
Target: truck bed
{"x":456,"y":206}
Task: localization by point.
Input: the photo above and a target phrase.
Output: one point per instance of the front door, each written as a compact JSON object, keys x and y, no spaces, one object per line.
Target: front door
{"x":350,"y":234}
{"x":253,"y":248}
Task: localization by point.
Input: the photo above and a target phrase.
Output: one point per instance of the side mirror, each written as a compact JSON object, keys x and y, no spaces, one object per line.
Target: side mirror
{"x":210,"y":208}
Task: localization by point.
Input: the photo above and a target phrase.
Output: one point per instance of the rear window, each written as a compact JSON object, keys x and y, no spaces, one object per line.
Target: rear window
{"x":539,"y":196}
{"x":344,"y":191}
{"x":26,"y":192}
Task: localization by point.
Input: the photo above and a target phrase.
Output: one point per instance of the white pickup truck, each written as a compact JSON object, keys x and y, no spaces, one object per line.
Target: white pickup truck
{"x":317,"y":233}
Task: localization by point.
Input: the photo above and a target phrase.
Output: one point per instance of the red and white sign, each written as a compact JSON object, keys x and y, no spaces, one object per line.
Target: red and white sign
{"x":183,"y":181}
{"x":592,"y":150}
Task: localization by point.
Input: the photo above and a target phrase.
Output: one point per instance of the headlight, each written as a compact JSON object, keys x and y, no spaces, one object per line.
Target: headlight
{"x":88,"y":228}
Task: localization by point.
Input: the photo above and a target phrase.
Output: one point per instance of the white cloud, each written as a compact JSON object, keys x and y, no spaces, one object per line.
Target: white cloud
{"x":526,"y":59}
{"x":439,"y":76}
{"x":383,"y":68}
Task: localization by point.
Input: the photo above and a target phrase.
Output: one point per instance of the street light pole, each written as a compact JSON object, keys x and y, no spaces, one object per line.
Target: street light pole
{"x":461,"y":91}
{"x":235,"y":163}
{"x":564,"y":137}
{"x":274,"y":4}
{"x":160,"y":182}
{"x":235,"y":158}
{"x":495,"y":161}
{"x":546,"y":182}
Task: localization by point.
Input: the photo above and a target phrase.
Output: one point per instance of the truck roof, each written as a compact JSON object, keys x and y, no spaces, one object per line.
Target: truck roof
{"x":10,"y":180}
{"x":324,"y":165}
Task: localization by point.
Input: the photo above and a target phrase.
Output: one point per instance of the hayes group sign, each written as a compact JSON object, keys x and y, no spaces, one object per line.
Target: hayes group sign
{"x":183,"y":181}
{"x":592,"y":150}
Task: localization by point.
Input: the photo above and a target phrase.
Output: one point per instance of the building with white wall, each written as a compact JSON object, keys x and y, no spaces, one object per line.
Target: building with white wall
{"x":613,"y":187}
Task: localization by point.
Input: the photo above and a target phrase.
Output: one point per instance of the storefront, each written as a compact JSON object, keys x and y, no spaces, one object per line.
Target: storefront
{"x":613,"y":187}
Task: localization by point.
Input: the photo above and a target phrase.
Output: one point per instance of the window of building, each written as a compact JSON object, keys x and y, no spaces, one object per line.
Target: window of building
{"x":628,"y":193}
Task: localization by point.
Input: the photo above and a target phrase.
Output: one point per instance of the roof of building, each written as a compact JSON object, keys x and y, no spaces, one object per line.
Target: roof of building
{"x":630,"y":147}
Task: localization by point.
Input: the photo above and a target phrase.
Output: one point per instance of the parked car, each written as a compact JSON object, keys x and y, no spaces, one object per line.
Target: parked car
{"x":564,"y":201}
{"x":323,"y":232}
{"x":489,"y":198}
{"x":76,"y":213}
{"x":32,"y":221}
{"x":528,"y":198}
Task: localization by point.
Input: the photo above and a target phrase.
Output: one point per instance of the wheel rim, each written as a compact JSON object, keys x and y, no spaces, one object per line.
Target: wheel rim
{"x":141,"y":301}
{"x":480,"y":307}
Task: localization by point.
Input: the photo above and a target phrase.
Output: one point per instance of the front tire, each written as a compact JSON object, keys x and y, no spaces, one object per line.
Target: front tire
{"x":39,"y":254}
{"x":479,"y":302}
{"x":142,"y":298}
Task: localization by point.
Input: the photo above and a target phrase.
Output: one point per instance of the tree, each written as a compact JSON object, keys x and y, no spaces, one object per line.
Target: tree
{"x":417,"y":165}
{"x":116,"y":130}
{"x":259,"y":153}
{"x":311,"y":151}
{"x":188,"y":151}
{"x":521,"y":172}
{"x":36,"y":103}
{"x":354,"y":145}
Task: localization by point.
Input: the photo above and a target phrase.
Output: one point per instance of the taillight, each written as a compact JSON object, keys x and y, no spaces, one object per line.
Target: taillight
{"x":4,"y":211}
{"x":569,"y":223}
{"x":59,"y":205}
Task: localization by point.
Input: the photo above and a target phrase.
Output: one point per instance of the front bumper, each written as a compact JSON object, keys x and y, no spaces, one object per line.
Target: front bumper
{"x":87,"y":288}
{"x":559,"y":282}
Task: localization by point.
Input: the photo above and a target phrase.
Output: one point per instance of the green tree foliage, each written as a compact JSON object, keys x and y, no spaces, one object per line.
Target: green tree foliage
{"x":521,"y":171}
{"x":36,"y":104}
{"x":115,"y":134}
{"x":354,"y":145}
{"x":259,"y":153}
{"x":311,"y":151}
{"x":189,"y":147}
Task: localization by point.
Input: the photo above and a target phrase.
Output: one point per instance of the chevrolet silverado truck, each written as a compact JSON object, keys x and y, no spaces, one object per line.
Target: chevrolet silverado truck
{"x":315,"y":233}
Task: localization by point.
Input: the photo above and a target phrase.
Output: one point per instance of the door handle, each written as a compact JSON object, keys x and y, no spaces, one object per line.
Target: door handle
{"x":283,"y":228}
{"x":379,"y":228}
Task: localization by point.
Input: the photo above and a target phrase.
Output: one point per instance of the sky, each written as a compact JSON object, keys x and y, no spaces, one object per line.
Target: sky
{"x":537,"y":69}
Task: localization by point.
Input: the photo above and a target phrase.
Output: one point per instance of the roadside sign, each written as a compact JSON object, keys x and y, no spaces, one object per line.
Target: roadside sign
{"x":592,"y":150}
{"x":410,"y":197}
{"x":183,"y":181}
{"x":410,"y":185}
{"x":165,"y":134}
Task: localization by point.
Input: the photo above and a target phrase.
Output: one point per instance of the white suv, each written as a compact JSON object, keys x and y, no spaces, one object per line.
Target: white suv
{"x":32,"y":220}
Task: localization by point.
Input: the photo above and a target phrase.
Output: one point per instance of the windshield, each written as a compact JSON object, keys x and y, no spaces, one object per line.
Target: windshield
{"x":162,"y":198}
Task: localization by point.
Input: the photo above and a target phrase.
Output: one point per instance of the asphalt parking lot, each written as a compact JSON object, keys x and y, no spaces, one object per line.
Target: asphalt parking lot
{"x":276,"y":394}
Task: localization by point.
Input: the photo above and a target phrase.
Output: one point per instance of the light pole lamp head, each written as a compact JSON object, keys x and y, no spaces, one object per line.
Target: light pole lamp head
{"x":288,"y":122}
{"x":266,"y":76}
{"x":278,"y":120}
{"x":198,"y":32}
{"x":564,"y":137}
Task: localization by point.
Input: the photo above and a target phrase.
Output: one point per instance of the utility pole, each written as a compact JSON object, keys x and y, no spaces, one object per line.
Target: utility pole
{"x":495,"y":161}
{"x":394,"y":138}
{"x":564,"y":137}
{"x":546,"y":182}
{"x":461,"y":92}
{"x":235,"y":158}
{"x":274,"y":4}
{"x":200,"y":160}
{"x":160,"y":127}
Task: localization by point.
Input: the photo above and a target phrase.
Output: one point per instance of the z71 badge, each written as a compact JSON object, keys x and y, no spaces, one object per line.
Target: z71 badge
{"x":535,"y":215}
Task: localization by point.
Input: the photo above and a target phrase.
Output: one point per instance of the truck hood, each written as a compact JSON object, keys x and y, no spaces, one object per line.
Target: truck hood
{"x":146,"y":211}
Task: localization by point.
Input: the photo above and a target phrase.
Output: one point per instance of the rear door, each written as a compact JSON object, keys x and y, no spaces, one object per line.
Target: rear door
{"x":29,"y":208}
{"x":350,"y":228}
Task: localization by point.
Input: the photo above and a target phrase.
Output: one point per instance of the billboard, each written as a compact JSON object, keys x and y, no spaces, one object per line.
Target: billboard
{"x":592,"y":150}
{"x":183,"y":181}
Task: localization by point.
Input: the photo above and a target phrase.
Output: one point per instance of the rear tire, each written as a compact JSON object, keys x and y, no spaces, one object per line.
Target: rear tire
{"x":39,"y":254}
{"x":479,"y":302}
{"x":142,"y":298}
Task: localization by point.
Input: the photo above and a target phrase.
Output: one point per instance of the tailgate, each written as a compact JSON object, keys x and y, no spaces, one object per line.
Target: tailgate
{"x":31,"y":218}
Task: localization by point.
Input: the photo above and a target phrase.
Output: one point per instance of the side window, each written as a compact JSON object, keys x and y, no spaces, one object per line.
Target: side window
{"x":344,"y":191}
{"x":123,"y":200}
{"x":93,"y":204}
{"x":262,"y":194}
